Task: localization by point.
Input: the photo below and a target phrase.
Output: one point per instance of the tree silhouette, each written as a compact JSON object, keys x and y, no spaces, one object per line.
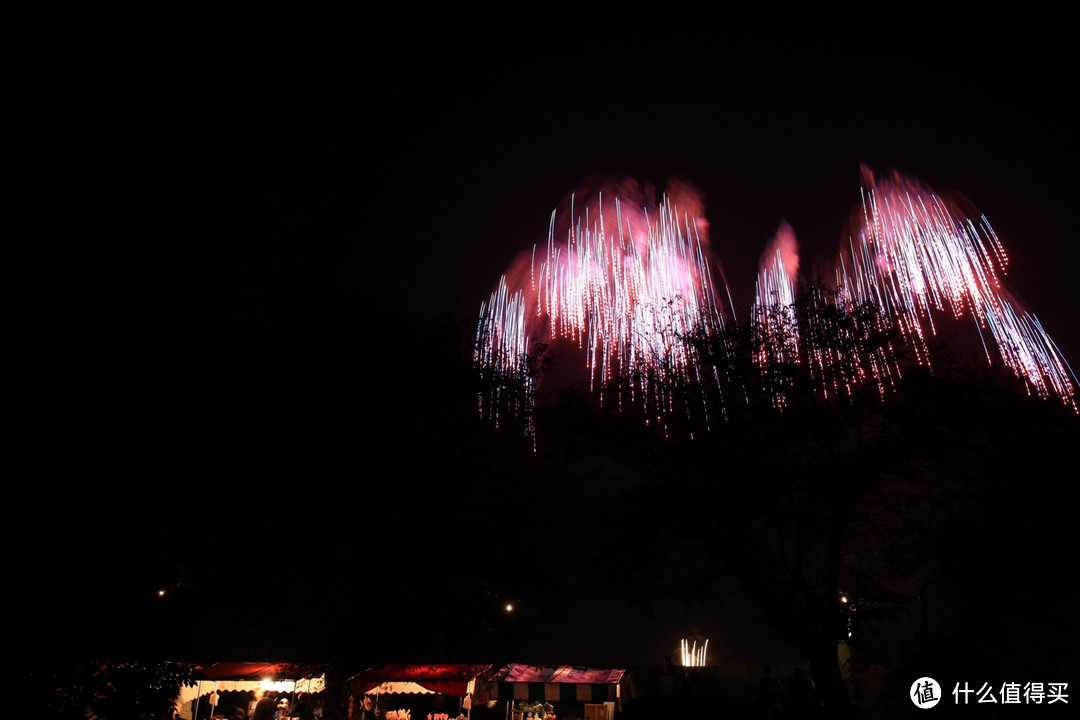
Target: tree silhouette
{"x":853,"y":492}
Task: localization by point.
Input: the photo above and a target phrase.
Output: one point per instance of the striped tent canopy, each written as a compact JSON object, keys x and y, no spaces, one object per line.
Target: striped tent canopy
{"x":551,"y":683}
{"x":456,"y":680}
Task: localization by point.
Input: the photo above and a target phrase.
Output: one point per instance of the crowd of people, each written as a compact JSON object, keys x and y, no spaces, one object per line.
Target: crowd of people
{"x":792,"y":699}
{"x":685,"y":694}
{"x":271,"y":705}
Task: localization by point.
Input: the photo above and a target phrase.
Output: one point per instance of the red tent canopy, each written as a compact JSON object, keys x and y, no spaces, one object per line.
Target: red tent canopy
{"x":257,"y":671}
{"x":446,"y":679}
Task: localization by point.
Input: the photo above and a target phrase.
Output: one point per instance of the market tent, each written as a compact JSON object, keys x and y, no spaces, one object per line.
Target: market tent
{"x":241,"y":670}
{"x":458,"y":680}
{"x":552,"y":683}
{"x":247,"y":676}
{"x":253,"y":675}
{"x":399,"y":688}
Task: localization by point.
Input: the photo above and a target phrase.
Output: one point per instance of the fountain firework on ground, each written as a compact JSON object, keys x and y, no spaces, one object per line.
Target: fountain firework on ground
{"x":692,"y":655}
{"x":630,"y":280}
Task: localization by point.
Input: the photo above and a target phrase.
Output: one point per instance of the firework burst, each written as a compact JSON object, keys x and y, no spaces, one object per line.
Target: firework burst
{"x":917,"y":255}
{"x":630,"y":281}
{"x":624,"y":279}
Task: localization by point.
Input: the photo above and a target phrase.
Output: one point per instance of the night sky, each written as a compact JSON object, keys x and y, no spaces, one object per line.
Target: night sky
{"x":231,"y":228}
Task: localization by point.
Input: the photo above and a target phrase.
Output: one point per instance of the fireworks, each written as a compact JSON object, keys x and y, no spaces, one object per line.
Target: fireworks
{"x":626,"y":281}
{"x":630,"y":281}
{"x":691,"y":654}
{"x":916,"y":254}
{"x":774,"y":310}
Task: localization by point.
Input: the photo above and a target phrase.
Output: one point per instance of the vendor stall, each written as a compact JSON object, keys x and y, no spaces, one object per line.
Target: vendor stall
{"x":399,"y":689}
{"x":544,"y":692}
{"x":223,"y":686}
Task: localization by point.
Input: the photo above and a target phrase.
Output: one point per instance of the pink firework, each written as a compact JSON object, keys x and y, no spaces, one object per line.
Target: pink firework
{"x":627,"y":280}
{"x":916,"y":254}
{"x":630,"y":280}
{"x":774,"y":309}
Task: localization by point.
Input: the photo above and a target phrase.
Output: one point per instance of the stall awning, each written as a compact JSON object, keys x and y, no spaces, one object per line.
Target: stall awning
{"x":251,"y":675}
{"x":249,"y":671}
{"x":447,"y":679}
{"x":551,"y":683}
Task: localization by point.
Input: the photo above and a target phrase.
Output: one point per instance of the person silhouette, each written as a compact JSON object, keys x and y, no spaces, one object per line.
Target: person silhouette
{"x":302,"y":709}
{"x":770,"y":695}
{"x":671,"y":689}
{"x":266,"y":707}
{"x":799,"y":692}
{"x":256,"y":696}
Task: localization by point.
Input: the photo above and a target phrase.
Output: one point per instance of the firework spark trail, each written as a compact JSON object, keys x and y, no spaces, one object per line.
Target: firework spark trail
{"x":625,"y":283}
{"x":773,"y":309}
{"x":628,"y":281}
{"x":1028,"y":351}
{"x":914,"y":254}
{"x":501,"y":347}
{"x":627,"y":298}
